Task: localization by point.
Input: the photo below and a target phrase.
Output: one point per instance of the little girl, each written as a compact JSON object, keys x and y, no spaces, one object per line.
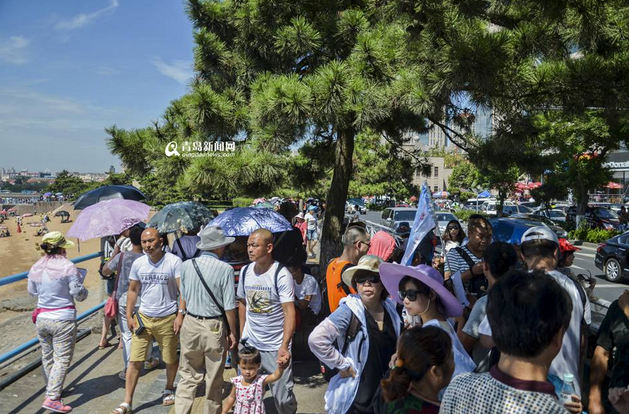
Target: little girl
{"x":249,"y":387}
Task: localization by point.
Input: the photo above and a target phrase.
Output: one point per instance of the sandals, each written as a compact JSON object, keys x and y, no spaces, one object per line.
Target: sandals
{"x":107,"y":345}
{"x":123,"y":408}
{"x":169,"y":397}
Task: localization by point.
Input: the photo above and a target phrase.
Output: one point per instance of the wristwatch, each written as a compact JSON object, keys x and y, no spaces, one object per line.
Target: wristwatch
{"x":183,"y":312}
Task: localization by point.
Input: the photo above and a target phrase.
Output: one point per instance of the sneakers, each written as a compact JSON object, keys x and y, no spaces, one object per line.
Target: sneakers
{"x":56,"y":406}
{"x":151,"y":364}
{"x":122,"y":375}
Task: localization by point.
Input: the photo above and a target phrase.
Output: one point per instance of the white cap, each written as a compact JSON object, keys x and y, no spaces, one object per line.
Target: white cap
{"x":539,"y":233}
{"x":568,"y":378}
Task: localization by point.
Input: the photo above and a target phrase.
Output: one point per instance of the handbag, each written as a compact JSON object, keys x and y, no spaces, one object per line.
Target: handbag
{"x":111,"y":307}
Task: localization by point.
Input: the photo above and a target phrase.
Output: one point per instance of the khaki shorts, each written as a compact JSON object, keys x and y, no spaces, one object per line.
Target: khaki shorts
{"x":162,"y":330}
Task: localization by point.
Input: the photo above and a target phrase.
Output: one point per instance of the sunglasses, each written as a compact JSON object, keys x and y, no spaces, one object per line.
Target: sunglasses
{"x":453,"y":228}
{"x":411,"y":294}
{"x":373,"y":278}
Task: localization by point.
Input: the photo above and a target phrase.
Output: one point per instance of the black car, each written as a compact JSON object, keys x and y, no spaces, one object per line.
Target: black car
{"x":597,"y":217}
{"x":611,"y":257}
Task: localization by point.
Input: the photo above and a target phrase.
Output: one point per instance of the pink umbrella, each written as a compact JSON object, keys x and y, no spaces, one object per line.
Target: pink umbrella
{"x":27,"y":215}
{"x":108,"y":218}
{"x":259,"y":200}
{"x":614,"y":186}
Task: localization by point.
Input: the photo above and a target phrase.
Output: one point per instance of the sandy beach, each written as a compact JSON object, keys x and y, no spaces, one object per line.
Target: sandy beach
{"x":17,"y":254}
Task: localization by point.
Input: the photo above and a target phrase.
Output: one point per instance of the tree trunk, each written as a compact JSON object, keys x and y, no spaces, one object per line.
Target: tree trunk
{"x":337,"y":196}
{"x":582,"y":203}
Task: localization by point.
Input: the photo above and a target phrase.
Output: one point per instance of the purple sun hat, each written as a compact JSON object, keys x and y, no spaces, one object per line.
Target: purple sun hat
{"x":392,"y":273}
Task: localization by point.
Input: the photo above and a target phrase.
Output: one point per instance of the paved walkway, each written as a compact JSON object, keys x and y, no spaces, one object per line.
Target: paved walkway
{"x":93,"y":386}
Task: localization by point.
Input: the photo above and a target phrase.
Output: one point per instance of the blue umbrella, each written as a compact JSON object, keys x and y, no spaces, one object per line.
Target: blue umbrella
{"x":484,"y":194}
{"x":243,"y":221}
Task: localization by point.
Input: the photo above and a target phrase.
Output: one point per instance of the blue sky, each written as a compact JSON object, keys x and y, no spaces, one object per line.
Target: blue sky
{"x":70,"y":68}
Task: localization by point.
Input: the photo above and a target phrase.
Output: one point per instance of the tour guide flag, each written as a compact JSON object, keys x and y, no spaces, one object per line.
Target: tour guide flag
{"x":424,"y":222}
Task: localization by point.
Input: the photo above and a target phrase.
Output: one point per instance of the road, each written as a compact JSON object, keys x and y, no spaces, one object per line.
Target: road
{"x":583,"y":263}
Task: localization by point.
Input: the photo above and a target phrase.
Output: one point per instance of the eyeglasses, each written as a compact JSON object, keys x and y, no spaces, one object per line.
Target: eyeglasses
{"x":453,"y":228}
{"x":411,"y":294}
{"x":365,"y":243}
{"x":373,"y":278}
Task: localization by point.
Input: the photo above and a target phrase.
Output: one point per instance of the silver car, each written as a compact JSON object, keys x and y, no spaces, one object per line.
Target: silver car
{"x":393,"y":216}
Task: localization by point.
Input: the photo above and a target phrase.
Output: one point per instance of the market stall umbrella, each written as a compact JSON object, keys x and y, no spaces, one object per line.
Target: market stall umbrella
{"x":182,"y":216}
{"x":108,"y":218}
{"x":108,"y":192}
{"x":484,"y":194}
{"x":245,"y":220}
{"x":47,"y":194}
{"x":613,"y":186}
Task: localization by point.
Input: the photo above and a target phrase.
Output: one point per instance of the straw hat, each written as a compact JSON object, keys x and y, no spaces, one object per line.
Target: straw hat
{"x":368,"y":262}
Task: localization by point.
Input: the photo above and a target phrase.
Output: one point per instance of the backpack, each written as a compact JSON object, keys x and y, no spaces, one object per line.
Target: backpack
{"x":243,"y":274}
{"x":350,"y":335}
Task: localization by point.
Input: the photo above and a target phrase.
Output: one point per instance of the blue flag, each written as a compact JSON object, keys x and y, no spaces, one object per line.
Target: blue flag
{"x":423,"y":224}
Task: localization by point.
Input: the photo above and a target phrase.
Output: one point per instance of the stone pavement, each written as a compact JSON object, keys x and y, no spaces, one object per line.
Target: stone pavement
{"x":93,"y":386}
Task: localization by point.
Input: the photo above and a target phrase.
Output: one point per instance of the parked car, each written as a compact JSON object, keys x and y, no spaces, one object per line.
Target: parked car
{"x":560,"y":232}
{"x":530,"y":204}
{"x":597,"y":217}
{"x":475,"y":204}
{"x":552,"y":214}
{"x":510,"y":229}
{"x":356,"y":202}
{"x":393,"y":216}
{"x":443,"y":217}
{"x":611,"y":257}
{"x":507,"y":209}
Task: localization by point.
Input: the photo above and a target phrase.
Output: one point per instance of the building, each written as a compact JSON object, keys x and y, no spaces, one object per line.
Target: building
{"x":439,"y":175}
{"x":618,"y":163}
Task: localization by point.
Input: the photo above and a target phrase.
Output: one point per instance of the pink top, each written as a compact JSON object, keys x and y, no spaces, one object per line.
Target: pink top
{"x":249,"y":398}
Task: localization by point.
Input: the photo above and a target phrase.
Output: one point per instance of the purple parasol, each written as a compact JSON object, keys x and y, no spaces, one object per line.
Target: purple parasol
{"x":108,"y":218}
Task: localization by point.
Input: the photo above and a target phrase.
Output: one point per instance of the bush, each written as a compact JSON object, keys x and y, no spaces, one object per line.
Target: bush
{"x":242,"y":201}
{"x":464,"y":215}
{"x":466,"y":195}
{"x":376,"y":207}
{"x":592,"y":235}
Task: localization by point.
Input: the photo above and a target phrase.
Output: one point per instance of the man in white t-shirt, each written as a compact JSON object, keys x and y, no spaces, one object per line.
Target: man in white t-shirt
{"x":307,"y":290}
{"x":540,"y":248}
{"x":267,"y":314}
{"x":154,"y":278}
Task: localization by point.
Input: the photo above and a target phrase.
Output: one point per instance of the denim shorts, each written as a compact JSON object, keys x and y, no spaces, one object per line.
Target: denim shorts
{"x":312,"y":235}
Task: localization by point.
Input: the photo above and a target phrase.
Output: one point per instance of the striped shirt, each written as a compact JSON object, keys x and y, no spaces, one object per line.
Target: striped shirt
{"x":454,"y":261}
{"x":218,"y":275}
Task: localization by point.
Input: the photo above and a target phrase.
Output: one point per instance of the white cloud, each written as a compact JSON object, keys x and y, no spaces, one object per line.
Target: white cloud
{"x":179,"y":70}
{"x":13,"y":50}
{"x":105,"y":70}
{"x":83,"y":19}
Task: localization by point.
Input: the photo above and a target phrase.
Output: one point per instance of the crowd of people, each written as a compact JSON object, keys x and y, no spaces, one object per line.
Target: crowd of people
{"x":484,"y":327}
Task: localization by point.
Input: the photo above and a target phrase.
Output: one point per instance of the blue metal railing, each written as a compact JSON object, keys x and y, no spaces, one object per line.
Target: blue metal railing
{"x":21,"y":276}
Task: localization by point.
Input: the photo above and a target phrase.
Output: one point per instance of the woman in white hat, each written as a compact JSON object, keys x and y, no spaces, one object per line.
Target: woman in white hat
{"x":56,"y":282}
{"x":365,"y":327}
{"x":420,"y":289}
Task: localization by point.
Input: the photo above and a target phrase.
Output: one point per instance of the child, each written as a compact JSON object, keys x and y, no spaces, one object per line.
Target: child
{"x":424,"y":366}
{"x":249,"y":387}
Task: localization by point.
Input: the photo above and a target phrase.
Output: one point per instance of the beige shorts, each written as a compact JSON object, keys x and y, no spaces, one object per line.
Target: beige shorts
{"x":162,"y":330}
